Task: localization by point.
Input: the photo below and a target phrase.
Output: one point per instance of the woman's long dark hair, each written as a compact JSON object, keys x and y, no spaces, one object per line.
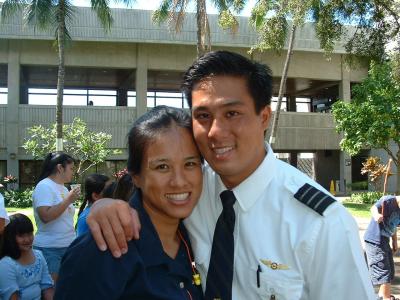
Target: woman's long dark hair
{"x":94,"y":183}
{"x":49,"y":166}
{"x":19,"y":224}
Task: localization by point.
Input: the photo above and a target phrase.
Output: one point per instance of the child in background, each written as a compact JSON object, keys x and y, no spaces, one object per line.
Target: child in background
{"x":94,"y":186}
{"x":108,"y":191}
{"x":24,"y":272}
{"x":383,"y":226}
{"x":124,"y":188}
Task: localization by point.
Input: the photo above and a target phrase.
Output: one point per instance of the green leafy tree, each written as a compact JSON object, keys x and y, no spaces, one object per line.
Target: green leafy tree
{"x":174,"y":12}
{"x":373,"y":24}
{"x":45,"y":14}
{"x":372,"y":118}
{"x":87,"y":147}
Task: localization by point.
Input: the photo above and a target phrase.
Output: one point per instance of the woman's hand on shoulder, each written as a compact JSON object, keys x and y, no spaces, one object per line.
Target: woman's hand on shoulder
{"x":112,"y":223}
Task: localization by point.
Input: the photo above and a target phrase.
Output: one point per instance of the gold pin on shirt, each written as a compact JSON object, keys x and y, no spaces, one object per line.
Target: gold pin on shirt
{"x":274,"y":265}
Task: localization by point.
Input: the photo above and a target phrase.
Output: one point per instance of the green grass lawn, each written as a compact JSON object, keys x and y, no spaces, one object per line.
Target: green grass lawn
{"x":29,"y":212}
{"x":355,"y":209}
{"x":358,"y":210}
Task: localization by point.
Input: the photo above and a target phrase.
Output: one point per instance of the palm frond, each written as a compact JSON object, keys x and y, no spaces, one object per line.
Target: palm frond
{"x":162,"y":13}
{"x":103,"y":11}
{"x":40,"y":13}
{"x":10,"y":8}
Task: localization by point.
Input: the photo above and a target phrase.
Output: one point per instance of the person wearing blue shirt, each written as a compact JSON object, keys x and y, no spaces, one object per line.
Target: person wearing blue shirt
{"x":383,"y":226}
{"x":23,"y":271}
{"x":166,"y":168}
{"x":94,"y":187}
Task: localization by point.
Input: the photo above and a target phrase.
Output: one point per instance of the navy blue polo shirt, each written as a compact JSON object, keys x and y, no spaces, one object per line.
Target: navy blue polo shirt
{"x":145,"y":272}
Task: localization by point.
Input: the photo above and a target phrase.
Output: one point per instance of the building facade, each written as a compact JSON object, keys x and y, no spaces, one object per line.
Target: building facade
{"x":112,"y":78}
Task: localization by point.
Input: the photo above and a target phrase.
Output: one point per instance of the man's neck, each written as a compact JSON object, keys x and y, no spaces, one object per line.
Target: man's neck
{"x":233,"y":181}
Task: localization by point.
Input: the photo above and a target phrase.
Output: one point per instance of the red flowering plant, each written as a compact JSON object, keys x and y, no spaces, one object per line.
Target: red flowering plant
{"x":9,"y":181}
{"x":120,"y":173}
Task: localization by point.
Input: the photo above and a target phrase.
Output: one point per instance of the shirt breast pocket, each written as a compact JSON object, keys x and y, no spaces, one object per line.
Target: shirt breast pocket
{"x":273,"y":288}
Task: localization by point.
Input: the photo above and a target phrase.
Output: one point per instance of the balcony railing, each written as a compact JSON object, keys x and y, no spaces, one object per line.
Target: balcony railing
{"x":297,"y":131}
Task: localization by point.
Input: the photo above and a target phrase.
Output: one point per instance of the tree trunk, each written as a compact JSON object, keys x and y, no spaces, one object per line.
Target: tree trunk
{"x":61,"y":76}
{"x":282,"y":86}
{"x":201,"y":15}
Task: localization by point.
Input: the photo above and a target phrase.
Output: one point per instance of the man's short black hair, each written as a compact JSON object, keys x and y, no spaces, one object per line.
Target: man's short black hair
{"x":219,"y":63}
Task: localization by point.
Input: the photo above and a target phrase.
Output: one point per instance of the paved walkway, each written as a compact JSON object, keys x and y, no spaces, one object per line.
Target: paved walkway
{"x":362,"y":225}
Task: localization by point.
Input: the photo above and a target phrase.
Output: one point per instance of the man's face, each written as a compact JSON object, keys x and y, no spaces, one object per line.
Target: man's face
{"x":226,"y":127}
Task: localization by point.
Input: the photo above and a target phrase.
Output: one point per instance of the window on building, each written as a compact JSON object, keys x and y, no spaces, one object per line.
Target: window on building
{"x":76,"y":97}
{"x":29,"y":172}
{"x":3,"y":168}
{"x":3,"y":95}
{"x":303,"y":104}
{"x":155,"y":98}
{"x":274,"y":102}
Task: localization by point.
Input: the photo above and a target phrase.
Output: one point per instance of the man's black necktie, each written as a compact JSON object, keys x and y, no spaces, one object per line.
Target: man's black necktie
{"x":220,"y":270}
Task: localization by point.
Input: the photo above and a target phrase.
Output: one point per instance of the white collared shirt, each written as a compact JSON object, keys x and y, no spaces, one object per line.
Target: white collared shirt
{"x":301,"y":254}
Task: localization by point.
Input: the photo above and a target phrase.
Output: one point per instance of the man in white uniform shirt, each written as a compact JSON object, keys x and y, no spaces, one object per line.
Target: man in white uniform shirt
{"x":292,"y":240}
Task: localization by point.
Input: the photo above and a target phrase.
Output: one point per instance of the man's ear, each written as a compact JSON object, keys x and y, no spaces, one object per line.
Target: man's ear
{"x":266,"y":114}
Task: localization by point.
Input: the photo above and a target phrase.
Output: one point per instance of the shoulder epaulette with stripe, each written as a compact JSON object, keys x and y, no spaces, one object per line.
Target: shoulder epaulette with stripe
{"x":314,"y":198}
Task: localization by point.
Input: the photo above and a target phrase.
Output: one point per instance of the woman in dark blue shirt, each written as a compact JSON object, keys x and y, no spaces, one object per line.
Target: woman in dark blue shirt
{"x":165,"y":166}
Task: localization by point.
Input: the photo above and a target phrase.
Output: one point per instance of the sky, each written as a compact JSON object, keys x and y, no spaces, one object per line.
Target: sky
{"x":153,"y":5}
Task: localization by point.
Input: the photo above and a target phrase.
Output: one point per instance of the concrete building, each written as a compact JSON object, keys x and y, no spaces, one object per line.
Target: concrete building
{"x":138,"y":65}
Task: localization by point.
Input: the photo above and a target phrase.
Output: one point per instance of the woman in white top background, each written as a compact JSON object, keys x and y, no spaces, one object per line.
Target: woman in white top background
{"x":54,"y":210}
{"x":4,"y":220}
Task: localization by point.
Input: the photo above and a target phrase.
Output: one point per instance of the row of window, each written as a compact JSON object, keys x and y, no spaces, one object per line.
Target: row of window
{"x":87,"y":97}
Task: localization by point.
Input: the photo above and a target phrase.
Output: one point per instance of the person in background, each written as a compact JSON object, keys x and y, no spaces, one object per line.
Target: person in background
{"x":24,"y":273}
{"x":54,"y":210}
{"x":124,"y":188}
{"x":4,"y":220}
{"x":381,"y":229}
{"x":108,"y":191}
{"x":94,"y":186}
{"x":262,"y":229}
{"x":165,"y":166}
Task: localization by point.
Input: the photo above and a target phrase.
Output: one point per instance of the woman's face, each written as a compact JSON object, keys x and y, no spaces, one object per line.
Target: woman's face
{"x":24,"y":241}
{"x":67,"y":172}
{"x":171,"y":175}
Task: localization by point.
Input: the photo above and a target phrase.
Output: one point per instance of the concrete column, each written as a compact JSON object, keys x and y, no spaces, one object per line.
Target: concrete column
{"x":291,"y":103}
{"x":345,"y":159}
{"x":141,"y":81}
{"x":293,"y":158}
{"x":344,"y":86}
{"x":12,"y":116}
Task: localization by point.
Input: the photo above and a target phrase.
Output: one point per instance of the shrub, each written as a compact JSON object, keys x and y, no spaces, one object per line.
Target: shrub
{"x":359,"y":185}
{"x":365,"y":198}
{"x":18,"y":198}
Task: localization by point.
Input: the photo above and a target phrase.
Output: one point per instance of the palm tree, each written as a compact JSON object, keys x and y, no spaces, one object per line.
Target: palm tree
{"x":174,"y":11}
{"x":376,"y":22}
{"x":46,"y":14}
